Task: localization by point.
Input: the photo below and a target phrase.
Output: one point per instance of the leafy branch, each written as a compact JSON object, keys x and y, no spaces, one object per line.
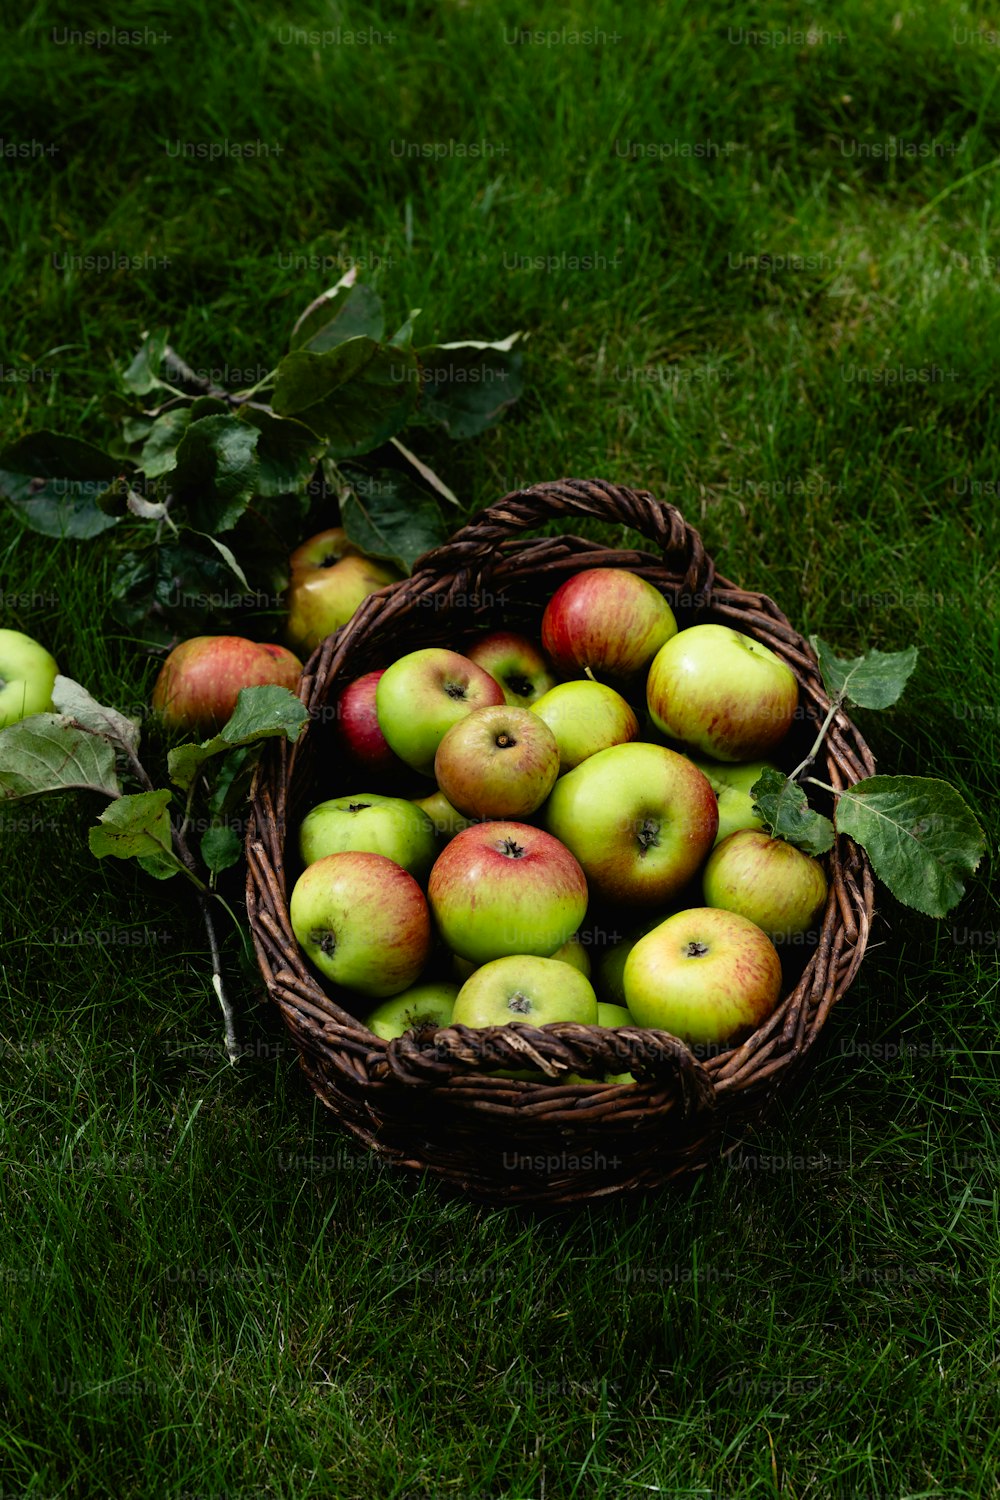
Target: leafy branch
{"x":919,"y":834}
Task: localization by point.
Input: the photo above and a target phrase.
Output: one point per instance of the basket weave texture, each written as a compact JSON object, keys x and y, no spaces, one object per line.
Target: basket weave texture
{"x":433,"y":1102}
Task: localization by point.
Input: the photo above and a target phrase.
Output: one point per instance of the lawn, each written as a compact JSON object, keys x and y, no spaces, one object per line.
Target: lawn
{"x":757,"y":259}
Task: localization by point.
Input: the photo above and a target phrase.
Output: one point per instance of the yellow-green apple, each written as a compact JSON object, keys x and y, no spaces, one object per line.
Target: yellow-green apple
{"x":731,"y":785}
{"x":498,"y":762}
{"x":516,"y":663}
{"x":423,"y":1005}
{"x":27,"y":677}
{"x":506,"y":888}
{"x":607,"y":622}
{"x":704,"y":975}
{"x":639,"y":818}
{"x":609,"y":975}
{"x":362,"y":740}
{"x":446,"y":819}
{"x":328,"y":578}
{"x":423,"y":694}
{"x":770,"y":882}
{"x":716,"y":690}
{"x":535,"y":991}
{"x":367,"y":821}
{"x":585,"y":717}
{"x":574,"y":953}
{"x":363,"y":921}
{"x":201,"y":679}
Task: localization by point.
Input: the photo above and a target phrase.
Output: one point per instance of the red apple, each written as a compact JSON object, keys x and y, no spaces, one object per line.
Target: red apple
{"x":201,"y":679}
{"x":363,"y":741}
{"x":606,"y":622}
{"x":499,"y":762}
{"x":506,"y":888}
{"x":516,"y":663}
{"x":328,"y":578}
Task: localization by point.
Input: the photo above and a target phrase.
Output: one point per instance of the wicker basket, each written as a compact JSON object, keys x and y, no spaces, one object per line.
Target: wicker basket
{"x":433,"y":1102}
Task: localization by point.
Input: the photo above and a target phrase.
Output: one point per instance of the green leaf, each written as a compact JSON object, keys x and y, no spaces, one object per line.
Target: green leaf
{"x":138,"y":827}
{"x":919,"y":834}
{"x":261,"y":713}
{"x":55,"y":483}
{"x":49,"y":753}
{"x":387,"y":516}
{"x":287,"y":452}
{"x":875,"y":680}
{"x":426,"y":473}
{"x":467,"y":387}
{"x":74,"y":702}
{"x":345,"y":312}
{"x":159,"y":451}
{"x":356,"y":396}
{"x":216,"y":472}
{"x":231,"y":782}
{"x":227,"y":556}
{"x":221,"y":847}
{"x":142,"y":375}
{"x":785,"y":809}
{"x":403,"y":337}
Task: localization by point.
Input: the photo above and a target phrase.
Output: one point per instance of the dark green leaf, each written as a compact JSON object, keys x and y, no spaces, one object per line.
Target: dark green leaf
{"x":874,"y":680}
{"x":403,"y":337}
{"x":261,"y":713}
{"x":138,"y":827}
{"x":221,"y":847}
{"x":159,"y":451}
{"x":786,"y":812}
{"x":287,"y":452}
{"x":466,"y":388}
{"x":919,"y":834}
{"x":232,"y":780}
{"x":387,"y":516}
{"x":345,"y":312}
{"x":174,"y":590}
{"x":216,"y":471}
{"x":55,"y":484}
{"x":356,"y":396}
{"x":143,"y":374}
{"x":208,"y":406}
{"x":49,"y":753}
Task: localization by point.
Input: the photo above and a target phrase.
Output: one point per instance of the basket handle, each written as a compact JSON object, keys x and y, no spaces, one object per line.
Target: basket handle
{"x":435,"y":1058}
{"x":475,"y":545}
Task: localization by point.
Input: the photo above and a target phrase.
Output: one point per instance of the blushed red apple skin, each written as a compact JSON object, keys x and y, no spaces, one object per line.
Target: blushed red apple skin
{"x":201,"y":679}
{"x":515,"y":662}
{"x":780,"y":888}
{"x":422,"y":694}
{"x":363,"y":742}
{"x":382,"y":922}
{"x":608,"y":620}
{"x":491,"y":904}
{"x":484,"y":777}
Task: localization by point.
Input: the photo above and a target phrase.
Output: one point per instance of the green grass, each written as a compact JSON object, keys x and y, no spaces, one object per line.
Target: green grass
{"x":212,"y":1292}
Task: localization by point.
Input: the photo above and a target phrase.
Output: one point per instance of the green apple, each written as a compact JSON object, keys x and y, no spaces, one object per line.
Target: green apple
{"x":27,"y":677}
{"x":391,"y":826}
{"x":497,"y":762}
{"x":731,"y":785}
{"x":706,"y":976}
{"x":500,"y":889}
{"x":329,"y":577}
{"x":363,"y":921}
{"x":572,"y":952}
{"x":770,"y":882}
{"x":639,"y":818}
{"x":613,"y":1015}
{"x":423,"y":694}
{"x":525,"y":988}
{"x":609,"y":976}
{"x":585,"y":717}
{"x":714,"y":689}
{"x":423,"y":1005}
{"x":447,"y":820}
{"x":516,"y":663}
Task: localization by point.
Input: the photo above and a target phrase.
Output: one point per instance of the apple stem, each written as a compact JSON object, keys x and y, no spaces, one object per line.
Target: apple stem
{"x":835,"y":708}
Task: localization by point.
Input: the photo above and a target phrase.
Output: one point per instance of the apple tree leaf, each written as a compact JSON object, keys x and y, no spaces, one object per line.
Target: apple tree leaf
{"x":159,"y":451}
{"x":387,"y":516}
{"x":287,"y":451}
{"x":786,"y":812}
{"x":164,"y":593}
{"x":919,"y":834}
{"x":467,"y":387}
{"x":216,"y":472}
{"x":345,"y":312}
{"x":74,"y":702}
{"x":357,"y":395}
{"x":874,"y":680}
{"x":50,"y":753}
{"x":55,"y":484}
{"x":261,"y":713}
{"x":143,"y":374}
{"x":138,"y":827}
{"x":221,"y":847}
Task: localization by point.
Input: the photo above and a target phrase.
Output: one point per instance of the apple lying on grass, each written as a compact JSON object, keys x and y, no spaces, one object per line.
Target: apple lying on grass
{"x":363,"y":921}
{"x":200,"y":680}
{"x":328,"y":579}
{"x":27,"y":677}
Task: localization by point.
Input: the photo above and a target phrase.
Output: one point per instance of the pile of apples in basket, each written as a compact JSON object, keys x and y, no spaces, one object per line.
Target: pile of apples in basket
{"x":565,"y":863}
